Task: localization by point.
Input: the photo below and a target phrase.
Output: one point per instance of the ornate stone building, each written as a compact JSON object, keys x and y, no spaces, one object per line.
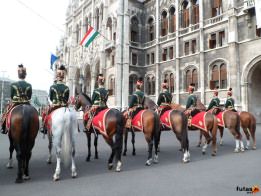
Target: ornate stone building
{"x":210,"y":43}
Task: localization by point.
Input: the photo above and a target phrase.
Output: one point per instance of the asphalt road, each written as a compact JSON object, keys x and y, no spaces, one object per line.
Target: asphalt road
{"x":204,"y":175}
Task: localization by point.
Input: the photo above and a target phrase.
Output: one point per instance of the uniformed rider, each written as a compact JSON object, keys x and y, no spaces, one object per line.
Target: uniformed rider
{"x":164,"y":99}
{"x":215,"y":101}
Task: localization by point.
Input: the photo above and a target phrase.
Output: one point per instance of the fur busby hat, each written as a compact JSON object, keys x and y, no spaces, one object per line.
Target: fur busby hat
{"x":139,"y":82}
{"x":216,"y":91}
{"x":191,"y":87}
{"x":101,"y":79}
{"x":165,"y":84}
{"x":21,"y":71}
{"x":229,"y":93}
{"x":60,"y":72}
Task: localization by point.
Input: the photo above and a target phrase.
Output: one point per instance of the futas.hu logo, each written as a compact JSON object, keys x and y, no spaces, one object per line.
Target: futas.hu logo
{"x":250,"y":190}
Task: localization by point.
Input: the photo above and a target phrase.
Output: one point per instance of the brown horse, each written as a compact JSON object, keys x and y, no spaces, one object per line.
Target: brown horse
{"x":151,"y":129}
{"x":113,"y":126}
{"x":23,"y":131}
{"x":248,"y":124}
{"x":232,"y":122}
{"x":211,"y":126}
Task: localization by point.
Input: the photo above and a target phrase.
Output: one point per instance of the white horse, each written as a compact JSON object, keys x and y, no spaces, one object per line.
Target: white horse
{"x":62,"y":137}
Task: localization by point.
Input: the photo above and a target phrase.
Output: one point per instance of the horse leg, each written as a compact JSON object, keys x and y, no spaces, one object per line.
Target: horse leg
{"x":50,"y":146}
{"x":133,"y":142}
{"x":208,"y":139}
{"x":214,"y":140}
{"x":9,"y":165}
{"x":110,"y":161}
{"x":19,"y":158}
{"x":221,"y":132}
{"x":73,"y":167}
{"x":125,"y":141}
{"x":237,"y":137}
{"x":247,"y":137}
{"x":150,"y":147}
{"x":57,"y":172}
{"x":200,"y":139}
{"x":118,"y":146}
{"x":26,"y":166}
{"x":88,"y":135}
{"x":252,"y":130}
{"x":95,"y":145}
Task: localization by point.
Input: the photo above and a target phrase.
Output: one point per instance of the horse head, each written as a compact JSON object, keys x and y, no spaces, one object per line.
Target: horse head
{"x":82,"y":100}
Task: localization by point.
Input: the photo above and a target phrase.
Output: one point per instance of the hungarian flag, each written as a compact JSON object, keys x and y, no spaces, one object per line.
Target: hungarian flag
{"x":89,"y":37}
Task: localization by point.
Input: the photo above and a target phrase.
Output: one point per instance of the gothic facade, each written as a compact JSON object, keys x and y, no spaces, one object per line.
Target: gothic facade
{"x":210,"y":43}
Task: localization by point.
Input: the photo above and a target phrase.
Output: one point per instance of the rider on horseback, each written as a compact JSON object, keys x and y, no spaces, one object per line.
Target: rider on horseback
{"x":99,"y":100}
{"x":21,"y":93}
{"x":58,"y":94}
{"x":214,"y":103}
{"x":230,"y":102}
{"x":164,"y":99}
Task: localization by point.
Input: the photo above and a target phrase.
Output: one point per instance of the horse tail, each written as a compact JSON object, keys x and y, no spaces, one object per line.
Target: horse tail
{"x":156,"y":131}
{"x":252,"y":127}
{"x":119,"y":134}
{"x":67,"y":138}
{"x":215,"y":126}
{"x":238,"y":125}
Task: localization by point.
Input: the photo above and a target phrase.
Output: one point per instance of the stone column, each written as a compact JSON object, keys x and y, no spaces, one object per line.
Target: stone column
{"x":178,"y":78}
{"x":201,"y":54}
{"x":157,"y":74}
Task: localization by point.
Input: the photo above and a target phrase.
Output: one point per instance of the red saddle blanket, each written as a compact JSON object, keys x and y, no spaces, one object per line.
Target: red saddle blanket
{"x":8,"y":119}
{"x":98,"y":122}
{"x":165,"y":119}
{"x":220,"y":118}
{"x":137,"y":120}
{"x":199,"y":121}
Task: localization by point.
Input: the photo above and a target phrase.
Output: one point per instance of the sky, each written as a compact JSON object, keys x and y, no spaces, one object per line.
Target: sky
{"x":28,"y":39}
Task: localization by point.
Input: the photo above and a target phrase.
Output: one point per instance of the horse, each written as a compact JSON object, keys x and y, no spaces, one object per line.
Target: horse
{"x":113,"y":125}
{"x":248,"y":124}
{"x":62,"y":129}
{"x":211,"y":125}
{"x":231,"y":120}
{"x":24,"y":126}
{"x":178,"y":124}
{"x":147,"y":121}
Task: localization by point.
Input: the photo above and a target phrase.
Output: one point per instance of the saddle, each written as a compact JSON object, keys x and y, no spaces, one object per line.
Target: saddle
{"x":130,"y":114}
{"x":190,"y":113}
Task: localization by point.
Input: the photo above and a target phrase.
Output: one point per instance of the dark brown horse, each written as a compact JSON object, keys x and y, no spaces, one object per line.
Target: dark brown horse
{"x":178,"y":122}
{"x":151,"y":130}
{"x":248,"y":124}
{"x":23,"y":131}
{"x":211,"y":126}
{"x":231,"y":122}
{"x":113,"y":126}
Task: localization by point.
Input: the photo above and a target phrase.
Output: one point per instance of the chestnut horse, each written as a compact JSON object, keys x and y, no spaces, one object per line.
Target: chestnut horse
{"x":151,"y":130}
{"x":248,"y":124}
{"x":179,"y":127}
{"x":113,"y":126}
{"x":231,"y":122}
{"x":24,"y":126}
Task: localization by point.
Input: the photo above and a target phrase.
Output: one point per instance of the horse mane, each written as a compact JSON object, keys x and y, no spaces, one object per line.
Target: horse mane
{"x":149,"y":103}
{"x":86,"y":97}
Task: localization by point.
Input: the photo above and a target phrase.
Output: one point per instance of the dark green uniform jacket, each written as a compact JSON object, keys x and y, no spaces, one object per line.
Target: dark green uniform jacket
{"x":137,"y":99}
{"x":21,"y":92}
{"x":100,"y":97}
{"x":59,"y":94}
{"x":213,"y":103}
{"x":192,"y":101}
{"x":164,"y":98}
{"x":230,"y":103}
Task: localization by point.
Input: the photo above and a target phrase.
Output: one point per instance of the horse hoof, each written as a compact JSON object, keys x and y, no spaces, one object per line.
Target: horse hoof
{"x":242,"y":149}
{"x":186,"y":160}
{"x":156,"y":159}
{"x":247,"y":148}
{"x":124,"y":154}
{"x":110,"y":166}
{"x":213,"y":154}
{"x":133,"y":153}
{"x":88,"y":159}
{"x":236,"y":150}
{"x":96,"y":157}
{"x":56,"y":178}
{"x":49,"y":162}
{"x":198,"y":145}
{"x":19,"y":180}
{"x":74,"y":174}
{"x":203,"y":152}
{"x":118,"y":167}
{"x":148,"y":162}
{"x":254,"y":148}
{"x":25,"y":177}
{"x":9,"y":166}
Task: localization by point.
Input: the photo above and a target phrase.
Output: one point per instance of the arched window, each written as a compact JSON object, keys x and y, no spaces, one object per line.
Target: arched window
{"x":218,"y":76}
{"x":171,"y":85}
{"x":109,"y":28}
{"x":164,"y":23}
{"x":172,"y":20}
{"x":132,"y":83}
{"x":97,"y":19}
{"x":191,"y":76}
{"x":112,"y":85}
{"x":148,"y":86}
{"x":134,"y":29}
{"x":153,"y":86}
{"x":195,"y":11}
{"x":185,"y":14}
{"x":150,"y":29}
{"x":216,"y":7}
